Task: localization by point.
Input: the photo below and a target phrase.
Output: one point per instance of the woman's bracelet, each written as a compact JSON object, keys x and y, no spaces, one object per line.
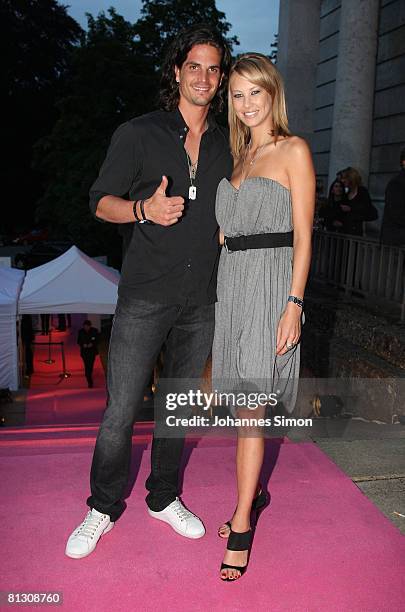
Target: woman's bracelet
{"x":296,"y":300}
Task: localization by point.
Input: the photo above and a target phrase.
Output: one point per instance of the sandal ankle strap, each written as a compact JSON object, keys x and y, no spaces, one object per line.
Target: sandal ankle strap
{"x":239,"y":541}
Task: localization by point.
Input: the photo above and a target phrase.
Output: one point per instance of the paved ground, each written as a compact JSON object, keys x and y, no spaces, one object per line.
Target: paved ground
{"x":373,"y":456}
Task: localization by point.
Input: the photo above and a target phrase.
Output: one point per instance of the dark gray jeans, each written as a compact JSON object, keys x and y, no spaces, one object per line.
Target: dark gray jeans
{"x":139,"y":331}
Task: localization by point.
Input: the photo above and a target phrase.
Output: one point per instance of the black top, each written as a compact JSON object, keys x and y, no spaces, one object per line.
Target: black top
{"x":361,"y":210}
{"x":88,"y":341}
{"x":331,"y":211}
{"x":393,"y":223}
{"x":177,"y":263}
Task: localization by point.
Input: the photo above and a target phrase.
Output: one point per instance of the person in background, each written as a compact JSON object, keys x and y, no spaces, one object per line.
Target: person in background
{"x":393,"y":221}
{"x":339,"y":176}
{"x":87,"y":339}
{"x":358,"y":207}
{"x":332,"y":213}
{"x":339,"y":179}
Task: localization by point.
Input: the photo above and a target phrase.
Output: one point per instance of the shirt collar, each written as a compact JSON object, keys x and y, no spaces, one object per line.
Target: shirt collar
{"x":177,"y":121}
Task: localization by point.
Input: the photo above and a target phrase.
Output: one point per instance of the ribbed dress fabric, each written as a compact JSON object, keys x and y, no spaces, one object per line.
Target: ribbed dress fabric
{"x":253,"y":288}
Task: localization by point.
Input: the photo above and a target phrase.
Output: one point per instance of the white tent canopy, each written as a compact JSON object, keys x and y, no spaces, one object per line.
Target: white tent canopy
{"x":10,"y":285}
{"x":71,"y":283}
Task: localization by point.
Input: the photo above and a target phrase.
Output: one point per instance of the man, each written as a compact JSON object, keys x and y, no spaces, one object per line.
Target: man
{"x":393,"y":222}
{"x":87,"y":339}
{"x":168,"y":283}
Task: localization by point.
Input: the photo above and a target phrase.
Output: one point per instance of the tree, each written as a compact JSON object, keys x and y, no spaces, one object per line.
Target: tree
{"x":274,"y":46}
{"x":108,"y":84}
{"x":114,"y":76}
{"x":162,"y":20}
{"x":37,"y":38}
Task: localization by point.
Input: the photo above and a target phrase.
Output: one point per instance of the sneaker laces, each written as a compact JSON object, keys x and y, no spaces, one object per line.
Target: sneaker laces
{"x":90,"y":524}
{"x":181,"y":511}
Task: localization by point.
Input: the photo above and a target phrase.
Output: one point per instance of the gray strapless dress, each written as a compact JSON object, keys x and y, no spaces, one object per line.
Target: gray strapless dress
{"x":253,"y":287}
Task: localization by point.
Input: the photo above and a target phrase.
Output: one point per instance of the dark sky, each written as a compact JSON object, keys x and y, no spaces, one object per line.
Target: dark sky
{"x":254,"y":21}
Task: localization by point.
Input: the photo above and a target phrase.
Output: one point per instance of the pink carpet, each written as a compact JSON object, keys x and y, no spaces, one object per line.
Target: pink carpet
{"x":52,"y":400}
{"x":62,"y":406}
{"x":321,"y":545}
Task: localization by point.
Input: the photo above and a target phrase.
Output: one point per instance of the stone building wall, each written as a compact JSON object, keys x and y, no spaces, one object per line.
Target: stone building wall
{"x":358,"y":99}
{"x":389,"y":98}
{"x":325,"y":85}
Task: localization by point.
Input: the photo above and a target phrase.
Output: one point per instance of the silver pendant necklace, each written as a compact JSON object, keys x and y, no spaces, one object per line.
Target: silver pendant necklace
{"x":192,"y":172}
{"x":252,"y":161}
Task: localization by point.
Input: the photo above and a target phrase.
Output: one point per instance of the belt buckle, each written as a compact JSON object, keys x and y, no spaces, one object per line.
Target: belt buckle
{"x":227,"y":249}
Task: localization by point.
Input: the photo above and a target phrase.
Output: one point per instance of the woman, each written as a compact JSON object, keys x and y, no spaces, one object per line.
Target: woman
{"x":358,"y":207}
{"x":333,"y":211}
{"x":261,"y":287}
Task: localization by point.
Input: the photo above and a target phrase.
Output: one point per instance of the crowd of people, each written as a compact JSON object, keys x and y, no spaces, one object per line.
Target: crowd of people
{"x":349,"y":205}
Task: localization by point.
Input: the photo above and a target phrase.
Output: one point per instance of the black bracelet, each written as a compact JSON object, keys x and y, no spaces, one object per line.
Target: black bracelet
{"x":296,"y":300}
{"x":135,"y":213}
{"x":141,"y":206}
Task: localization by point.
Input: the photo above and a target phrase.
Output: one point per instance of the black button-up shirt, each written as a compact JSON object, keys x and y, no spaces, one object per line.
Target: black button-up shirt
{"x":178,"y":263}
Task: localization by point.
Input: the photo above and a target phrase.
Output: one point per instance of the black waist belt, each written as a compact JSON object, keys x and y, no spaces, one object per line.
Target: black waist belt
{"x":258,"y":241}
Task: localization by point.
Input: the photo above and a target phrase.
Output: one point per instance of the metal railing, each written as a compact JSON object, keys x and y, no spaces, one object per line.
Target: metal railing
{"x":360,"y":265}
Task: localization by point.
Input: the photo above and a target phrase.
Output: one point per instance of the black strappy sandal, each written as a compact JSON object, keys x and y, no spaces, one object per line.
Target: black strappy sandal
{"x":258,"y":505}
{"x":238,"y":541}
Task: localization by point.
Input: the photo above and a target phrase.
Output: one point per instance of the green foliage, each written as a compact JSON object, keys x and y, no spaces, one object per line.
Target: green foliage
{"x":274,"y":46}
{"x":162,"y":20}
{"x":37,"y":38}
{"x":113,"y":75}
{"x":108,"y":83}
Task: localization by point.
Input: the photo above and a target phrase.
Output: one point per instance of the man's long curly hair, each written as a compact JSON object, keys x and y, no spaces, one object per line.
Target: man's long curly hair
{"x":177,"y":54}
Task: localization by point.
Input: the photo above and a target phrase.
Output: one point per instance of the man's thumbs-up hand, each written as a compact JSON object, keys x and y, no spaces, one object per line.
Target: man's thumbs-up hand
{"x":163,"y":186}
{"x":163,"y":210}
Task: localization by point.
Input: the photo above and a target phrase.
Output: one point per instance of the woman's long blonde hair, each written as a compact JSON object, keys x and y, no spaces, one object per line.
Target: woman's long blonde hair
{"x":353,"y":175}
{"x":260,"y":71}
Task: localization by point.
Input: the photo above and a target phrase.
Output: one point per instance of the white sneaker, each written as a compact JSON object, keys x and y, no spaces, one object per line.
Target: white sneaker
{"x":84,"y":538}
{"x":180,"y":519}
